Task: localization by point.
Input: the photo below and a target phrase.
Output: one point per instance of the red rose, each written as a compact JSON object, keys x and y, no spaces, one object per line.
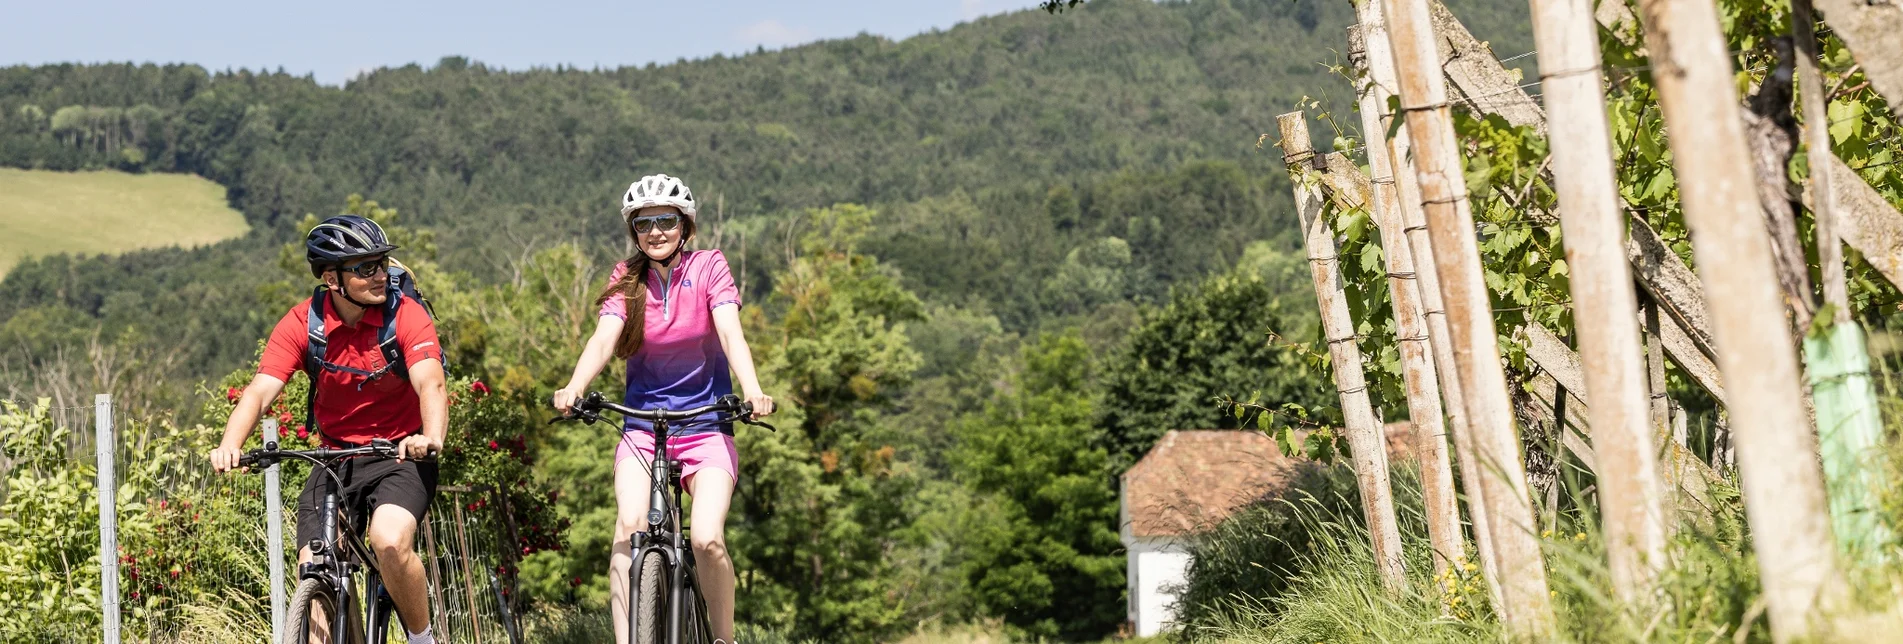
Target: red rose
{"x":232,"y":394}
{"x":479,"y":388}
{"x":284,"y":418}
{"x":494,"y":446}
{"x":303,"y":433}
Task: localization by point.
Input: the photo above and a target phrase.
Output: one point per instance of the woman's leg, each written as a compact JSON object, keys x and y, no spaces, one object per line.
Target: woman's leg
{"x":713,"y":493}
{"x":631,"y":502}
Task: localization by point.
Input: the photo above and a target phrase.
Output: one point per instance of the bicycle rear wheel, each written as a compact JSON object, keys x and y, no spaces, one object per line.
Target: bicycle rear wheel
{"x":648,"y":621}
{"x":314,"y":597}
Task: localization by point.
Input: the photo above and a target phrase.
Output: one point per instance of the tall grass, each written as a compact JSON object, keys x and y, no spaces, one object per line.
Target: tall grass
{"x":1329,"y":590}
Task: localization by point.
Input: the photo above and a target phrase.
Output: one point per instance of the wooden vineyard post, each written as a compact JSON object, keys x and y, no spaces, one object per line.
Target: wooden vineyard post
{"x":1605,"y":311}
{"x":1414,"y":226}
{"x":1424,"y":410}
{"x":1777,"y":454}
{"x":1526,"y":608}
{"x":1849,"y":429}
{"x":1365,"y":440}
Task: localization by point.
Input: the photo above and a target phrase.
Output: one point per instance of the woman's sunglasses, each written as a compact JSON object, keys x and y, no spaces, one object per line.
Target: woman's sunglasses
{"x":645,"y":225}
{"x":367,"y":269}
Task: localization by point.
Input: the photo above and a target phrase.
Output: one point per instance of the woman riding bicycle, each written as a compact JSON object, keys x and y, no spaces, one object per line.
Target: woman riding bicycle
{"x":679,"y":346}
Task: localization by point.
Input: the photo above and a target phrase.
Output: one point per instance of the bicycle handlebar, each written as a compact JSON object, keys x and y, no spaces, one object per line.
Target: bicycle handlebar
{"x":271,"y":455}
{"x":730,"y":406}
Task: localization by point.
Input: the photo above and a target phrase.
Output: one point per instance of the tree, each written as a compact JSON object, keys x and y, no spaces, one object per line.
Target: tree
{"x":1227,"y":335}
{"x":1050,"y":563}
{"x":824,"y":501}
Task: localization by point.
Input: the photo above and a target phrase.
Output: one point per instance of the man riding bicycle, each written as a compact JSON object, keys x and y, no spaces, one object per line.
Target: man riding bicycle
{"x":360,"y":395}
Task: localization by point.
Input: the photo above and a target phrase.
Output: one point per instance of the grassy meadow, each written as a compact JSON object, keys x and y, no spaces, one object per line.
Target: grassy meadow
{"x":44,"y":212}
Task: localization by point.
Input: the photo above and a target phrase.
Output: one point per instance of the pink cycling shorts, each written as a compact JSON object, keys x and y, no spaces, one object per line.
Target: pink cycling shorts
{"x":694,"y":451}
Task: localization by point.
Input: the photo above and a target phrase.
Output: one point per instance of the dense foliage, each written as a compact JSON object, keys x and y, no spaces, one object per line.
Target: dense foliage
{"x":1068,"y":243}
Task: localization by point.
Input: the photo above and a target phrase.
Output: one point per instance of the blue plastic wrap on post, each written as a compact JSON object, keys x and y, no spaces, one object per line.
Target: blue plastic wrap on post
{"x":1849,"y":436}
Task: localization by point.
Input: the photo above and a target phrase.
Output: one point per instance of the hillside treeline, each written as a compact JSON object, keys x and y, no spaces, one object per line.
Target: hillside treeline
{"x":987,"y":266}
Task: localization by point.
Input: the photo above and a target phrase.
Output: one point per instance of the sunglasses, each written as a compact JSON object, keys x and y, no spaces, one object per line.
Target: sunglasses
{"x":367,"y":269}
{"x":645,"y":225}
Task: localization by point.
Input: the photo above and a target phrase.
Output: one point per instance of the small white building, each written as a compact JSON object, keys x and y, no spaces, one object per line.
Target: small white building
{"x":1191,"y":480}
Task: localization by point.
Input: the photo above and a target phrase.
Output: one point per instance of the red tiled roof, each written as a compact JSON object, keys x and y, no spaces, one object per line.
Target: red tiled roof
{"x":1194,"y":478}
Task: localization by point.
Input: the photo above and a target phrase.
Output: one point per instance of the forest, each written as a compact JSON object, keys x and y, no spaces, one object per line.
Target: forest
{"x":986,"y":268}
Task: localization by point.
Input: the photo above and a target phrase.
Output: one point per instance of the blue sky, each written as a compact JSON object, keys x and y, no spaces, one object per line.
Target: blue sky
{"x":337,"y":39}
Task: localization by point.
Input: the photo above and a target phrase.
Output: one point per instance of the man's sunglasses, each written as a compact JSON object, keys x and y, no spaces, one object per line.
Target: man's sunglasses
{"x":368,"y":269}
{"x":645,"y":225}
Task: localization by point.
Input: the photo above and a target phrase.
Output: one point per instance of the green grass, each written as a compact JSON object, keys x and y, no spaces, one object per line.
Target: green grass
{"x":43,"y":213}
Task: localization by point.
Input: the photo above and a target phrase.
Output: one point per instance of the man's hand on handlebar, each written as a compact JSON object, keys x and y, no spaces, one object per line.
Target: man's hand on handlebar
{"x":225,"y":458}
{"x":418,"y":447}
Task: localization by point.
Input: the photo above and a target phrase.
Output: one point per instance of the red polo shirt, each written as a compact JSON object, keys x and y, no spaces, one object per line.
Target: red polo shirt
{"x":386,"y":407}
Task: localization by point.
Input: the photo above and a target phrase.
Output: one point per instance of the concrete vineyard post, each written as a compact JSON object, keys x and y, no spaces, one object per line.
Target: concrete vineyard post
{"x":1605,"y":309}
{"x":1778,"y":469}
{"x":1521,"y":575}
{"x":1369,"y":447}
{"x":1410,"y":324}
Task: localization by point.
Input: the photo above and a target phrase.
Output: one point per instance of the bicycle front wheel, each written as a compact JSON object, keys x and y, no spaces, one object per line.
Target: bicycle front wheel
{"x":315,"y":605}
{"x":648,"y":621}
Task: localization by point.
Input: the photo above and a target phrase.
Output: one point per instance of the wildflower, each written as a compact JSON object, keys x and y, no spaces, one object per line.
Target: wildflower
{"x":493,"y":446}
{"x":1546,"y":534}
{"x":1579,"y":537}
{"x":232,"y":394}
{"x":479,"y":388}
{"x":303,"y":433}
{"x":284,"y":418}
{"x":1470,"y":567}
{"x":574,"y":581}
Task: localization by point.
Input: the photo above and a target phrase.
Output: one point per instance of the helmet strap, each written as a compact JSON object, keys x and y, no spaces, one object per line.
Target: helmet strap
{"x":344,"y":292}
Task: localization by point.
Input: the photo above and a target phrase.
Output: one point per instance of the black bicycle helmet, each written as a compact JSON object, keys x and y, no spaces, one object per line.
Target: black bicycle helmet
{"x":341,"y":238}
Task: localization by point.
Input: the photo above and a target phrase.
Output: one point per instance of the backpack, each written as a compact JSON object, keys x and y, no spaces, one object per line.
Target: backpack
{"x":402,"y":286}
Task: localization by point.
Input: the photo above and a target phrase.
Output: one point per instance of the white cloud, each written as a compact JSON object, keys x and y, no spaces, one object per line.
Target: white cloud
{"x":772,"y":33}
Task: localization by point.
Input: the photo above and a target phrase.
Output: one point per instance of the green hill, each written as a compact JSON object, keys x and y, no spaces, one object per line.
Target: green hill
{"x":43,"y":213}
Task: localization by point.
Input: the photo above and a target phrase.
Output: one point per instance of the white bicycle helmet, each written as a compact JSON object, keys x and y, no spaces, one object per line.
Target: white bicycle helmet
{"x":658,"y":190}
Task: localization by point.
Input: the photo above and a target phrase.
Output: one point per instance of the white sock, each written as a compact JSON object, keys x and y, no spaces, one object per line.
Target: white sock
{"x":422,"y":638}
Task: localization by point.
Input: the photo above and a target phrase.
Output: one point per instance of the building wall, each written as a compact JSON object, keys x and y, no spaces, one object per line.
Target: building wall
{"x":1156,"y":567}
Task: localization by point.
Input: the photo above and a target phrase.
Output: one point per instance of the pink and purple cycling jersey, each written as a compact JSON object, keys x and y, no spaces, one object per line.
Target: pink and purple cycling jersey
{"x":681,"y":364}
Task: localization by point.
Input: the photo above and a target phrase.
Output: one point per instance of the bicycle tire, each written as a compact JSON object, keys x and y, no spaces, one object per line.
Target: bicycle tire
{"x":694,"y":626}
{"x":317,"y":593}
{"x":648,"y":619}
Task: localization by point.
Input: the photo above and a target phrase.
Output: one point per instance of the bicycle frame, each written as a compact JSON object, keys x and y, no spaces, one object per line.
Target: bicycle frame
{"x":664,"y":535}
{"x":333,"y":560}
{"x":339,"y":571}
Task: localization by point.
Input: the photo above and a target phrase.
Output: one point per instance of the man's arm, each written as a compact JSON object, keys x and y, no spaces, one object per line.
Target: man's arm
{"x":432,"y":395}
{"x":257,"y":397}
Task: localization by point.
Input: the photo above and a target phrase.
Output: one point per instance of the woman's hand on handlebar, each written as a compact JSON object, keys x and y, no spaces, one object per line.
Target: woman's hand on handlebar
{"x":565,"y":399}
{"x":762,"y":404}
{"x":225,"y":459}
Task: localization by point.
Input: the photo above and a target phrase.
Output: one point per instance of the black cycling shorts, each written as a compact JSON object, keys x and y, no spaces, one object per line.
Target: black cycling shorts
{"x":368,"y":482}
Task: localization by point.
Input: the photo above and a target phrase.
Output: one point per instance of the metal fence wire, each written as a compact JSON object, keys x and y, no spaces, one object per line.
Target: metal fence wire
{"x":187,"y":553}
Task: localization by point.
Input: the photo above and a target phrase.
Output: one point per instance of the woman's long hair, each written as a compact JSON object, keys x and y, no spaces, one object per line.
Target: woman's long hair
{"x":634,"y":286}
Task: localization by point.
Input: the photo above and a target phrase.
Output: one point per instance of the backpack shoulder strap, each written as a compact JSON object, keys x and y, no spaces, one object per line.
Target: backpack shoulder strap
{"x":386,"y":335}
{"x":318,"y":346}
{"x":314,"y":352}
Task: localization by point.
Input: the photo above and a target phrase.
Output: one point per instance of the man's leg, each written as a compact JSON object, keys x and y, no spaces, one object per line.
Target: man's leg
{"x":392,"y":536}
